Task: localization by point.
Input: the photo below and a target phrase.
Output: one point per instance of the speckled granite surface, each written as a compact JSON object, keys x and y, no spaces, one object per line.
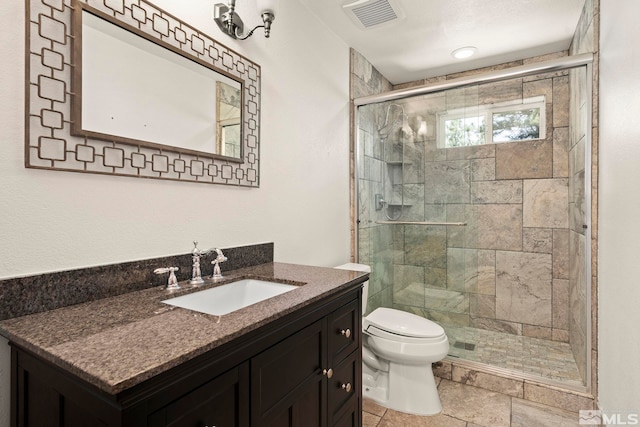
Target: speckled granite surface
{"x":42,"y":292}
{"x":118,"y":342}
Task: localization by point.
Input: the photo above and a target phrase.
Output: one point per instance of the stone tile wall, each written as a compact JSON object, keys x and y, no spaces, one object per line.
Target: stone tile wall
{"x":507,"y":270}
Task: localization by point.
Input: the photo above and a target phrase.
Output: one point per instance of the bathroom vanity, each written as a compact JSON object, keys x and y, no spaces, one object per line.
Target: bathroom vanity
{"x":131,"y":360}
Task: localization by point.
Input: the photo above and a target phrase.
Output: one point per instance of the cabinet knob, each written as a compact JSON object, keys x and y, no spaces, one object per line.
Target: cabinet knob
{"x":346,"y":333}
{"x":327,"y":372}
{"x":346,"y":387}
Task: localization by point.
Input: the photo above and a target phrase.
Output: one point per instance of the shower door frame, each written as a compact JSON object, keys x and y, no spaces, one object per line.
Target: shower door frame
{"x":558,"y":64}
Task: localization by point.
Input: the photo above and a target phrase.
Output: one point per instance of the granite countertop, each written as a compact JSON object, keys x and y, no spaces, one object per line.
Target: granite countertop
{"x":115,"y":343}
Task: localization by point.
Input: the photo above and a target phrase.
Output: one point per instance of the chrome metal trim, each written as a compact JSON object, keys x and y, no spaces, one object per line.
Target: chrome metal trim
{"x":558,"y":64}
{"x":458,"y":224}
{"x":588,"y":164}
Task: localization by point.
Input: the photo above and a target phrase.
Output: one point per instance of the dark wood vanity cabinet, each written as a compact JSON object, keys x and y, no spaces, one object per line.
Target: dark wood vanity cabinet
{"x":311,"y":377}
{"x":303,"y":369}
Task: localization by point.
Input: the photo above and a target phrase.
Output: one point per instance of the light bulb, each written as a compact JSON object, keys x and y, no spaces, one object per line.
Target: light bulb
{"x":422,"y":130}
{"x":267,"y":5}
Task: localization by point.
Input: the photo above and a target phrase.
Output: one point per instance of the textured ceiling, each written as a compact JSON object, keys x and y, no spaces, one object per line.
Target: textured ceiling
{"x":419,"y":45}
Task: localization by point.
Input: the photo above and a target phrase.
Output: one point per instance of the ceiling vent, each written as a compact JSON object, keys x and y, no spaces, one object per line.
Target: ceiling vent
{"x":368,"y":14}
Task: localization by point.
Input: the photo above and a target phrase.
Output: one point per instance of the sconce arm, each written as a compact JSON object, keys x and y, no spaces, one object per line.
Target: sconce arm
{"x":267,"y":17}
{"x":231,"y":24}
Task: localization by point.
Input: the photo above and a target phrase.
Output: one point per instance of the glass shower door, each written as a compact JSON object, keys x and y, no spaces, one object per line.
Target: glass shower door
{"x":471,"y":213}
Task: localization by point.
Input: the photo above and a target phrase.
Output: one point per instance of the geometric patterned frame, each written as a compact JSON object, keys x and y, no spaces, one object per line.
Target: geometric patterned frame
{"x":49,"y":143}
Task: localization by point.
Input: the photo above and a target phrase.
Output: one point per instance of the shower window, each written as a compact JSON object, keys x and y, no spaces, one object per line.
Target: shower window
{"x":463,"y":131}
{"x":493,"y":123}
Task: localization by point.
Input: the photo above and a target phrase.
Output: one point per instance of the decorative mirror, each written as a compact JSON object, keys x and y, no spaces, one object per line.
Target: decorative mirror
{"x":124,"y":88}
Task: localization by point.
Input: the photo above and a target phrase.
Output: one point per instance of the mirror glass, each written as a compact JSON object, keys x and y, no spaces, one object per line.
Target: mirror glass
{"x":228,"y":120}
{"x":137,"y":90}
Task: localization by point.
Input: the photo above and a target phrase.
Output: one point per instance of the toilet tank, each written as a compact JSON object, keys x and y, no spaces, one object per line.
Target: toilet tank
{"x":365,"y":286}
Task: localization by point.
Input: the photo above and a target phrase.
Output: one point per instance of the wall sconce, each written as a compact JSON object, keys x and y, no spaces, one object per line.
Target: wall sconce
{"x":231,"y":24}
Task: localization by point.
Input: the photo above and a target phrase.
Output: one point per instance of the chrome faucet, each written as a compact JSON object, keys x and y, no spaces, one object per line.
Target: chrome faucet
{"x":196,"y":273}
{"x":217,"y":274}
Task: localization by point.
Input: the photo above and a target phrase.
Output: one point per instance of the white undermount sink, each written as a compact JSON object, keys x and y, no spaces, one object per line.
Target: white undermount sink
{"x":224,"y":299}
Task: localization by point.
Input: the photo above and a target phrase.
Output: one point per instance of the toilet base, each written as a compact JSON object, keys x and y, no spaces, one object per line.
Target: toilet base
{"x":406,"y":388}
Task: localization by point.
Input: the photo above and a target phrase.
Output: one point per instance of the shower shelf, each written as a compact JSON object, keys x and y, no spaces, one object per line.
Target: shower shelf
{"x":457,"y":224}
{"x":398,"y":205}
{"x":397,"y":163}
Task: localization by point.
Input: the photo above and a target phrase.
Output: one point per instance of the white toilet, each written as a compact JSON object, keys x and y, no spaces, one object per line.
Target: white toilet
{"x":398,"y":350}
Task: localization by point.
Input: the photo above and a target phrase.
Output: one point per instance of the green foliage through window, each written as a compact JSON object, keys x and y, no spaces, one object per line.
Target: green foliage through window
{"x":465,"y":131}
{"x":516,"y":125}
{"x":505,"y":122}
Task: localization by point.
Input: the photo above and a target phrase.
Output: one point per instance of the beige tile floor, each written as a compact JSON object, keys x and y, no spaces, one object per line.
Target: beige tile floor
{"x":468,"y":406}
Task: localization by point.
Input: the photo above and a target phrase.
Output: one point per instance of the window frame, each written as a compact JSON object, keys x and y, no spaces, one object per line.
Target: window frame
{"x":487,"y":111}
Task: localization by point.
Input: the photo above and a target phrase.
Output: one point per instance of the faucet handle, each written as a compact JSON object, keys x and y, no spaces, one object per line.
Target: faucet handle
{"x":220,"y":257}
{"x":172,"y":283}
{"x":217,"y":274}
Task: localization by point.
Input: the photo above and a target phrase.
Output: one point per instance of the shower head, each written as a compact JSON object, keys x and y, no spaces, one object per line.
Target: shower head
{"x":386,"y":128}
{"x":408,"y":135}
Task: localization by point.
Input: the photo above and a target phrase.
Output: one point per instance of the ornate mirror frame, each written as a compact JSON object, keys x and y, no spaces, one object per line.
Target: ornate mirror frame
{"x":49,"y":142}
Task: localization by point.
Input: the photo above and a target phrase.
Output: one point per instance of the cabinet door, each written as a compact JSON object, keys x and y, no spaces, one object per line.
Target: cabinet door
{"x":343,"y":331}
{"x":221,"y":402}
{"x":348,"y":416}
{"x":304,"y":411}
{"x":287,"y":384}
{"x":42,"y":396}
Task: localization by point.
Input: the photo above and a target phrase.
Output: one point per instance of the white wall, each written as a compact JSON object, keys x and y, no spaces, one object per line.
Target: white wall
{"x":619,"y":198}
{"x":53,"y":221}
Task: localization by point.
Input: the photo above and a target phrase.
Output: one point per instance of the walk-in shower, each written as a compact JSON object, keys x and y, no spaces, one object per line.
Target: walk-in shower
{"x":473,"y":205}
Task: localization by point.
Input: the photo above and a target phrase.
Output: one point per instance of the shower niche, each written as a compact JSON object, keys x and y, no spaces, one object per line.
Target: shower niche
{"x":401,"y":138}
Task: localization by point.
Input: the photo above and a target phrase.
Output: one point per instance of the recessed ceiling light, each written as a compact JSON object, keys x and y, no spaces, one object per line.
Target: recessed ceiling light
{"x":464,"y":52}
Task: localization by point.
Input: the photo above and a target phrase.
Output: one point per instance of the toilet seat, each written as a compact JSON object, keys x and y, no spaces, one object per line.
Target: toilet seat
{"x":381,"y":333}
{"x":400,"y":325}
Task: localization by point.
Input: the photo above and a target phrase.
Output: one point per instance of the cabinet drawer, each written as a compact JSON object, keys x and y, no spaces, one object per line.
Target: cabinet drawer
{"x":344,"y":386}
{"x":344,"y":331}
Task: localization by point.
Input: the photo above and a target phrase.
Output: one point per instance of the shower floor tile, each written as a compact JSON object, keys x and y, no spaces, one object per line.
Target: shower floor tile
{"x":548,"y":359}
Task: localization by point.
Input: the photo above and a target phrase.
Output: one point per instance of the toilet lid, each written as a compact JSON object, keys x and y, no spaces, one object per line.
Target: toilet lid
{"x":402,"y":323}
